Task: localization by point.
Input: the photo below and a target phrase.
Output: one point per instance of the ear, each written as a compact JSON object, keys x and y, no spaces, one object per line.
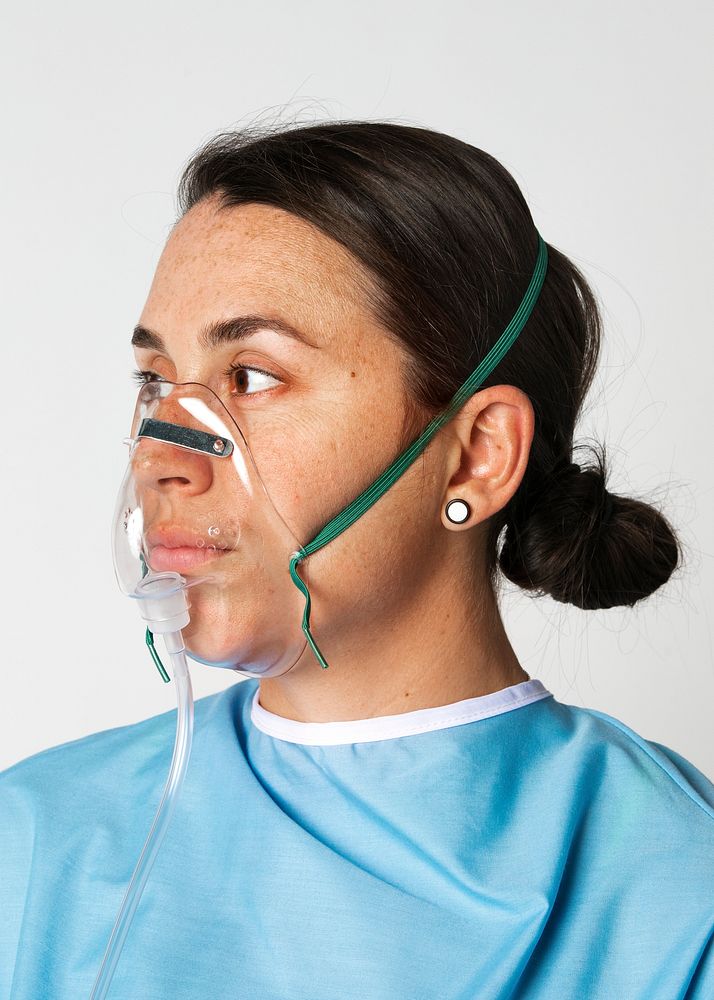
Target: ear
{"x":487,"y":455}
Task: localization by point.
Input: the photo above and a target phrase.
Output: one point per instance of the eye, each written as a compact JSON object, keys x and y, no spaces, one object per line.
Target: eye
{"x":145,"y":376}
{"x":238,"y":376}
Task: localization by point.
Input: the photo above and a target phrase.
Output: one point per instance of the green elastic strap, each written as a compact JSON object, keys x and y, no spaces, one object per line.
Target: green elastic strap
{"x":370,"y":496}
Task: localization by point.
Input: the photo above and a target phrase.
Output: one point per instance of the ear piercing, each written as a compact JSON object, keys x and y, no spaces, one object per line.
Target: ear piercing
{"x":457,"y":511}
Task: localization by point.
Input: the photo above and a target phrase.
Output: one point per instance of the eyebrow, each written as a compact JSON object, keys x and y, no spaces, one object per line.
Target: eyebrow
{"x":226,"y":331}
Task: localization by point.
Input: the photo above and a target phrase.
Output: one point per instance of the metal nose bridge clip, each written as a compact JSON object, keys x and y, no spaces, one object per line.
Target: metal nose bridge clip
{"x":184,"y":437}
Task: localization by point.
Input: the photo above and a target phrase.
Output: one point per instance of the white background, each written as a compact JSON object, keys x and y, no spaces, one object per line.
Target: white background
{"x":600,"y":111}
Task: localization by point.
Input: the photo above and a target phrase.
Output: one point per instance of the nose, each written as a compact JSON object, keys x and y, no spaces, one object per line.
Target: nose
{"x":167,"y":468}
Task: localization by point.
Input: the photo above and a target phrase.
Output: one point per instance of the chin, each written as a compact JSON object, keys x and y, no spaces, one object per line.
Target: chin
{"x":216,"y":641}
{"x":229,"y":637}
{"x":251,"y":625}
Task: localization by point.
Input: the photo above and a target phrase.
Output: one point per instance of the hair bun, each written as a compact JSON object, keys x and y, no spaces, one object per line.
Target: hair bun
{"x":556,"y":540}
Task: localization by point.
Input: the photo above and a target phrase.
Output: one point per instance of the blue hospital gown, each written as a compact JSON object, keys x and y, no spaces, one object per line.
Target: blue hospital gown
{"x":506,"y":846}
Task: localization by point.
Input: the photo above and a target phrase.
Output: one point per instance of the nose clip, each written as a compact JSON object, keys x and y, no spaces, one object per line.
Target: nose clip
{"x":185,"y":437}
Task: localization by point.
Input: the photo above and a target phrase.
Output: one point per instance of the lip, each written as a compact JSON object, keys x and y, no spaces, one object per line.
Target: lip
{"x":174,"y":548}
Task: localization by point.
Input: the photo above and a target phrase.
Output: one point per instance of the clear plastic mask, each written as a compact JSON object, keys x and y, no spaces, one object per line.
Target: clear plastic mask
{"x":192,"y":503}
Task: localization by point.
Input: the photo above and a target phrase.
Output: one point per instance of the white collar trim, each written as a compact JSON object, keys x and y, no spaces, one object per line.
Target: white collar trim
{"x":387,"y":727}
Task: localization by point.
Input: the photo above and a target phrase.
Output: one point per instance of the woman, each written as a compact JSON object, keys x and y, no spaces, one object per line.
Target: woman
{"x":423,"y":819}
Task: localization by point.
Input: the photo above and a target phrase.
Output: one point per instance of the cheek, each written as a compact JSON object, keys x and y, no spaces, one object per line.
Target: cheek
{"x":315,"y":459}
{"x":376,"y":567}
{"x":380,"y":561}
{"x":310,"y":463}
{"x":323,"y":471}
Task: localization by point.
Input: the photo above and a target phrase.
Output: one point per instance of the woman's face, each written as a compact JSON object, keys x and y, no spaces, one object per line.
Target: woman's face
{"x":322,"y":410}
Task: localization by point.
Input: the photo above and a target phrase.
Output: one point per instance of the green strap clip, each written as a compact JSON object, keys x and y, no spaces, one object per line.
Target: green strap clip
{"x":155,"y":656}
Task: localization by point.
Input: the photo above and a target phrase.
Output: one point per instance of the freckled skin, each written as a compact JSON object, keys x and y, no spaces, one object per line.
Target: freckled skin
{"x":400,"y":601}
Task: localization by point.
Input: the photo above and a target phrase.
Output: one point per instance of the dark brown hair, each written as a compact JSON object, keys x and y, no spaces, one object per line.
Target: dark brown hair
{"x":446,"y":235}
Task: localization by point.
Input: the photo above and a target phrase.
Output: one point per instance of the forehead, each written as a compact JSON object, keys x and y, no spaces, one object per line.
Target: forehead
{"x":254,"y":258}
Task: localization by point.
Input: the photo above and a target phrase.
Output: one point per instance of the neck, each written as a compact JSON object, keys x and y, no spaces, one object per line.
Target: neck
{"x":438,"y":653}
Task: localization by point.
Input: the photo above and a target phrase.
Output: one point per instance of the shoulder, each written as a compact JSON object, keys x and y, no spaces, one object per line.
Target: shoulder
{"x":100,"y":790}
{"x":631,"y":756}
{"x":638,"y":796}
{"x":84,"y":758}
{"x":639,"y":828}
{"x":670,"y":769}
{"x":104,"y":765}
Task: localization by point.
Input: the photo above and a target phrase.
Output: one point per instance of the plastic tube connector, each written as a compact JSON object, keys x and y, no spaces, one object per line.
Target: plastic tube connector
{"x":163,"y":604}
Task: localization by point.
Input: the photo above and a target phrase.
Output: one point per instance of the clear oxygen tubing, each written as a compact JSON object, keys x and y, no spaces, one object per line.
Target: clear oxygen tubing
{"x":174,"y":782}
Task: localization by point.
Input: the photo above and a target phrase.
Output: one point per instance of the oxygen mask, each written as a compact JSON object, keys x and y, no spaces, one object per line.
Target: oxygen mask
{"x":195,"y":528}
